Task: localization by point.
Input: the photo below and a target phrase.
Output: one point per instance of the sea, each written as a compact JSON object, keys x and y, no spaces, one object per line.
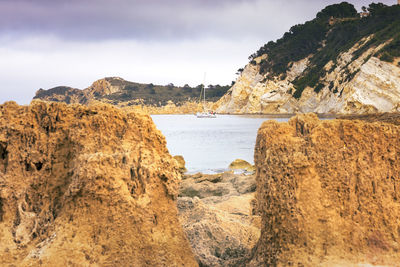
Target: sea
{"x":209,"y":145}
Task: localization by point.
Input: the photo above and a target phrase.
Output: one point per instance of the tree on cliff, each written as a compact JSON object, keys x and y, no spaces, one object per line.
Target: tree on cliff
{"x":342,"y":10}
{"x":374,"y":8}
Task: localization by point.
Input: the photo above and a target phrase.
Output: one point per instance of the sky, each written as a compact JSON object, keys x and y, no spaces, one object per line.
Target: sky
{"x":48,"y":43}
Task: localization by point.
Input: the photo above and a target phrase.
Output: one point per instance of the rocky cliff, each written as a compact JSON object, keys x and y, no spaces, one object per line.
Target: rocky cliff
{"x":87,"y":186}
{"x":337,"y":63}
{"x":328,"y":193}
{"x":375,"y":88}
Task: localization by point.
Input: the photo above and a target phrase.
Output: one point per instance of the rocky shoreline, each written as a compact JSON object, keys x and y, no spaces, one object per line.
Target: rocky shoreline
{"x":218,"y":215}
{"x":96,"y":185}
{"x":294,"y":222}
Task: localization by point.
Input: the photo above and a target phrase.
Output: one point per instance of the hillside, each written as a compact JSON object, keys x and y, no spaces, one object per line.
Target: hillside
{"x":117,"y":91}
{"x":338,"y":62}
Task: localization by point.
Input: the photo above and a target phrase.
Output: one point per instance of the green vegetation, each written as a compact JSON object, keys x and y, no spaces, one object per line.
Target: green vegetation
{"x":342,"y":10}
{"x":159,"y":95}
{"x":335,"y":29}
{"x":147,"y":94}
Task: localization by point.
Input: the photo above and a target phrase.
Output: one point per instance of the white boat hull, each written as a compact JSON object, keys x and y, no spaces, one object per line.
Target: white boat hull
{"x":205,"y":115}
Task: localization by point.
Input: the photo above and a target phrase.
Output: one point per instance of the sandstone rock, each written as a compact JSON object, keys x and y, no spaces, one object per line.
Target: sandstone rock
{"x":217,"y":215}
{"x":87,"y":186}
{"x":328,"y":193}
{"x":240,"y":164}
{"x":181,"y":163}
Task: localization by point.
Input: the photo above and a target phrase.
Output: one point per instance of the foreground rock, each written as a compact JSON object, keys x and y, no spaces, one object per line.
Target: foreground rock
{"x":216,"y":212}
{"x":240,"y":164}
{"x":87,"y":186}
{"x":328,"y":193}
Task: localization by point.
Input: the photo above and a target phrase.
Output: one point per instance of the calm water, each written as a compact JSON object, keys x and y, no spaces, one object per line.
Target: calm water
{"x":210,"y":145}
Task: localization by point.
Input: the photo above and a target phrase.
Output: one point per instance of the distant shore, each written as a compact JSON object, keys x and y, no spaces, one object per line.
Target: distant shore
{"x":262,"y":115}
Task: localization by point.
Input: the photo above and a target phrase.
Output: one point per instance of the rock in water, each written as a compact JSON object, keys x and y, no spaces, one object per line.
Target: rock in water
{"x":328,"y":192}
{"x":87,"y":186}
{"x":240,"y":164}
{"x":181,"y":163}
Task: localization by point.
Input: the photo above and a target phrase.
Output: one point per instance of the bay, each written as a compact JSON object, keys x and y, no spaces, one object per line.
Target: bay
{"x":210,"y":145}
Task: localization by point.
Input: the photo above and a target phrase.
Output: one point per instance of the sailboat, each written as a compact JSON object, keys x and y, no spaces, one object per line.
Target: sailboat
{"x":204,"y":113}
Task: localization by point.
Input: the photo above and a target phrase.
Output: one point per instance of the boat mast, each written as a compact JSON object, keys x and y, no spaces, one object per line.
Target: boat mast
{"x":204,"y":92}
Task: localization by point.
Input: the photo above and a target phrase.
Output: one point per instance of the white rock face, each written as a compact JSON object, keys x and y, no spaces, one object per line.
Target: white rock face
{"x":377,"y":85}
{"x":364,"y":85}
{"x":104,"y":87}
{"x":244,"y":96}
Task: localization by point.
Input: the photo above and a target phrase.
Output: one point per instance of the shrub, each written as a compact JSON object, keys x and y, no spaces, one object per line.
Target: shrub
{"x":386,"y":57}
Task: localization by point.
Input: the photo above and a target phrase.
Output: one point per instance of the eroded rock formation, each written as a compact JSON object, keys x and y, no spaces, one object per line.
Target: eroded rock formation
{"x":82,"y":186}
{"x":328,"y":193}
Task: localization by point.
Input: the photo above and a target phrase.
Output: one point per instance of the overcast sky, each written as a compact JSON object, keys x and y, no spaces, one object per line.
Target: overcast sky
{"x":47,"y":43}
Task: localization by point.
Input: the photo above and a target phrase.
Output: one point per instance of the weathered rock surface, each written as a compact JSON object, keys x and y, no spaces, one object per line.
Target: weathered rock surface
{"x":87,"y":186}
{"x":216,"y":212}
{"x":328,"y":193}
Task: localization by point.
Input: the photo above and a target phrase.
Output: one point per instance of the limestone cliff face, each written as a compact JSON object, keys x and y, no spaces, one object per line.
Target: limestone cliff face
{"x":328,"y":193}
{"x":87,"y":186}
{"x":364,"y":85}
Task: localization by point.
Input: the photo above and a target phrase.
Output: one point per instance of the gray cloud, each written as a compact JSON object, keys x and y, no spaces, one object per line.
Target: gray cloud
{"x":45,"y":43}
{"x":156,"y":19}
{"x":102,"y":19}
